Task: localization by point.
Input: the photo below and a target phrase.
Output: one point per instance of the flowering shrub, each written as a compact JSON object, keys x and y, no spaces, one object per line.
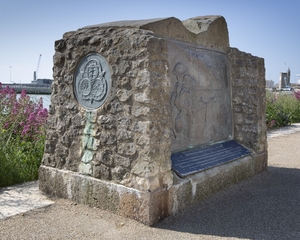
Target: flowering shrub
{"x":22,"y":116}
{"x":282,"y":109}
{"x":22,"y":136}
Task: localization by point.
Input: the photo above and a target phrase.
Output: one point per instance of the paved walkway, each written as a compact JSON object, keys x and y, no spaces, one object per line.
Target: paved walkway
{"x":21,"y":198}
{"x":294,"y":128}
{"x":266,"y":206}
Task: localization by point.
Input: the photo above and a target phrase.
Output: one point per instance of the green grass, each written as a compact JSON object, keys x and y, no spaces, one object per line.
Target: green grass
{"x":20,"y":161}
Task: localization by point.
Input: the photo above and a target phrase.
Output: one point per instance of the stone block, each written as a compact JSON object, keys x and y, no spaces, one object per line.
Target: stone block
{"x":127,"y":95}
{"x":144,"y":207}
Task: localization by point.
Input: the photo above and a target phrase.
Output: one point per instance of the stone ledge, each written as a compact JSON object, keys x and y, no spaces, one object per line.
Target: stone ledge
{"x":195,"y":188}
{"x":145,"y":207}
{"x":148,"y":207}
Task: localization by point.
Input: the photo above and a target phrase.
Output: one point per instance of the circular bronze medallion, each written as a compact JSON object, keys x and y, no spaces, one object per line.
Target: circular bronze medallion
{"x":92,"y":81}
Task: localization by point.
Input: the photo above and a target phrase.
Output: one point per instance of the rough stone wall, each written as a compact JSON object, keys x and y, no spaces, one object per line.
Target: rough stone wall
{"x":126,"y":139}
{"x":248,"y":98}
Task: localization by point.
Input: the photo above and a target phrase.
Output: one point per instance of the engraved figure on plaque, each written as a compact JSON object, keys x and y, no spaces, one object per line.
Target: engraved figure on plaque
{"x":200,"y":99}
{"x":92,"y":81}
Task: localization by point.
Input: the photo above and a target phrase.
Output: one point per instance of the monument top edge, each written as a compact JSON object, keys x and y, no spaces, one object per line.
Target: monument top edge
{"x":127,"y":23}
{"x":145,"y":22}
{"x":208,"y":31}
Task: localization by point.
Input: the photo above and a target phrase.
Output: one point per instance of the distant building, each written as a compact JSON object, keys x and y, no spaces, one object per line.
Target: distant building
{"x":43,"y":81}
{"x":285,"y":79}
{"x":269,"y":83}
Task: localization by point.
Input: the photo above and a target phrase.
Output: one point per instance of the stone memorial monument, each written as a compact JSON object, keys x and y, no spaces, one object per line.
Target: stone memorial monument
{"x":148,"y":117}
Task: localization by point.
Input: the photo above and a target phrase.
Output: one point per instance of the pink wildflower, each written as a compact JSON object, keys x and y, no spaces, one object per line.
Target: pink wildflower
{"x":23,"y":94}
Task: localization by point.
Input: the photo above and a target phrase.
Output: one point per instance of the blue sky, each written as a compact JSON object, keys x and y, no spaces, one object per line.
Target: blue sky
{"x":264,"y":28}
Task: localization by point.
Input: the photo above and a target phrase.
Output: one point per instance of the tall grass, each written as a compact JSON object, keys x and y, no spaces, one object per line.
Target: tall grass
{"x":22,"y":136}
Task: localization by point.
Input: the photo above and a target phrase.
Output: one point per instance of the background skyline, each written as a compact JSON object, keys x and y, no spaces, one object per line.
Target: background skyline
{"x":265,"y":29}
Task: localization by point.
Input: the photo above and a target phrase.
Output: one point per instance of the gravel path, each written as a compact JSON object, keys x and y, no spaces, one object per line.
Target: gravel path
{"x":263,"y":207}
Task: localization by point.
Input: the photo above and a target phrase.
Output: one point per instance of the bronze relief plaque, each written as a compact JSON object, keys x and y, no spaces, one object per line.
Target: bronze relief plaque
{"x":92,"y":81}
{"x":200,"y":98}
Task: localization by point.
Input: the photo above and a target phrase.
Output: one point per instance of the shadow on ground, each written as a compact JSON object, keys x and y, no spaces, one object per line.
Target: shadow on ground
{"x":266,"y":206}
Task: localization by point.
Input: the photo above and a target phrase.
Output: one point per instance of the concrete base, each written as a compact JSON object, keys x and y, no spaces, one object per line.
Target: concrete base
{"x":195,"y":188}
{"x":145,"y":207}
{"x":148,"y":207}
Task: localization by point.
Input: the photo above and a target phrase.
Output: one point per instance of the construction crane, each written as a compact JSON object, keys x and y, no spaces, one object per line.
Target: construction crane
{"x":35,"y":73}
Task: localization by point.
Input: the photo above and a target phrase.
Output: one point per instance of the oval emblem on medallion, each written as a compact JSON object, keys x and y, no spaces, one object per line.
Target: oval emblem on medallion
{"x":92,"y":81}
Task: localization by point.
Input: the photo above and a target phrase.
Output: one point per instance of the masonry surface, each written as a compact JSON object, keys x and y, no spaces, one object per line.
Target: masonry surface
{"x":173,"y":85}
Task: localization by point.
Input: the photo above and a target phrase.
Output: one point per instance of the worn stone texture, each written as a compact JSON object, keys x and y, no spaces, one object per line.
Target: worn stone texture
{"x":249,"y":101}
{"x":199,"y":186}
{"x":206,"y":31}
{"x":126,"y":139}
{"x":142,"y":206}
{"x":118,"y":156}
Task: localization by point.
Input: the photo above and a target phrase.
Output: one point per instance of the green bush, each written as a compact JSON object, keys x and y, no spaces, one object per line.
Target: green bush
{"x":22,"y":137}
{"x":282,"y":109}
{"x":19,"y":161}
